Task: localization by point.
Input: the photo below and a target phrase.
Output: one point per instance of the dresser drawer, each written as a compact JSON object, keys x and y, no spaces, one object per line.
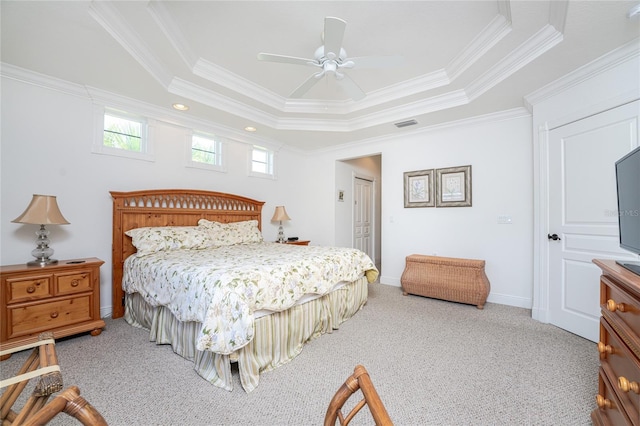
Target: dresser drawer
{"x":609,"y":411}
{"x":34,"y":318}
{"x":622,"y":368}
{"x":623,"y":309}
{"x":76,"y":282}
{"x":22,"y":289}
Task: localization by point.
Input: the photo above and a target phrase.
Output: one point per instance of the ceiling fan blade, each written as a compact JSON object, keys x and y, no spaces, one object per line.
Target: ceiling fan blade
{"x":286,"y":59}
{"x":351,"y":88}
{"x":306,"y":86}
{"x":333,"y":35}
{"x":376,"y":62}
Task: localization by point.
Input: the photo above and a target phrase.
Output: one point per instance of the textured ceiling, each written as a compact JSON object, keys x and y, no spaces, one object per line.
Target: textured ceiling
{"x":461,"y":58}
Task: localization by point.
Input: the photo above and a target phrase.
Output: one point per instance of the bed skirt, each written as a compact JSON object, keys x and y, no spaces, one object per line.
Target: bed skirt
{"x":279,"y":337}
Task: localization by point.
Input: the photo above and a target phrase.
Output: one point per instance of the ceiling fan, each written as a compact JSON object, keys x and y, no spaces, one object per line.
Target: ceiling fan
{"x":331,"y":58}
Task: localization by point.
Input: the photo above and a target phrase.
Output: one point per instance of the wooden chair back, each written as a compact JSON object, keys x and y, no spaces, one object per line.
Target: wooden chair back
{"x":358,"y":380}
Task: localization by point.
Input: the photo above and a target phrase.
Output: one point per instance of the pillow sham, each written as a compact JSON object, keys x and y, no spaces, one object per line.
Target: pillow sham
{"x":228,"y":234}
{"x":149,"y":240}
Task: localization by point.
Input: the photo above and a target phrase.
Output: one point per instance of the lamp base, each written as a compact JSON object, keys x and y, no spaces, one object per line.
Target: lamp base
{"x":42,"y":262}
{"x":281,"y":238}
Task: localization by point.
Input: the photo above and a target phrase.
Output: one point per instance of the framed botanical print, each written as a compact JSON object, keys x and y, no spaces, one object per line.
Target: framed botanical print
{"x":453,"y":187}
{"x":419,"y":188}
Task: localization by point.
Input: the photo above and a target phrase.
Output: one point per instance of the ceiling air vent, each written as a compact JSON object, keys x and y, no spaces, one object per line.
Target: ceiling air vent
{"x":405,"y":123}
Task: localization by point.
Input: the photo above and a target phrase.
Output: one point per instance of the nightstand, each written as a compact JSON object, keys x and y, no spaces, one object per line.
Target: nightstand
{"x":63,"y":298}
{"x":298,"y":242}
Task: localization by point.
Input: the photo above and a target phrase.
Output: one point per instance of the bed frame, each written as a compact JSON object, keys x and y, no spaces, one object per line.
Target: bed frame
{"x":169,"y":207}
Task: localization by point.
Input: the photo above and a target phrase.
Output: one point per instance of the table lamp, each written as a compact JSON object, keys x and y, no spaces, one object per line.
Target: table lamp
{"x":43,"y":210}
{"x":278,"y":216}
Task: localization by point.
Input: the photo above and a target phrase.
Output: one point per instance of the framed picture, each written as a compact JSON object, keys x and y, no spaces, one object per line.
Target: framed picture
{"x":454,"y":187}
{"x":419,"y":188}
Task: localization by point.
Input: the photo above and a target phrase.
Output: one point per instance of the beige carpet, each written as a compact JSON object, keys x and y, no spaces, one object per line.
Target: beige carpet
{"x":433,"y":363}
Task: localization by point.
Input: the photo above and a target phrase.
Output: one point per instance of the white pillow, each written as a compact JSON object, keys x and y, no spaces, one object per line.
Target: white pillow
{"x":153,"y":239}
{"x":227,"y":234}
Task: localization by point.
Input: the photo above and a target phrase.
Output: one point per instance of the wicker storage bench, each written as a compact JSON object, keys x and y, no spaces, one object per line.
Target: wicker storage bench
{"x":456,"y":280}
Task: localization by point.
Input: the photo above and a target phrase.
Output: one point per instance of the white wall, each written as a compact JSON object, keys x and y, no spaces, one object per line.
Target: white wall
{"x":46,"y":141}
{"x":46,"y":148}
{"x":499,"y":149}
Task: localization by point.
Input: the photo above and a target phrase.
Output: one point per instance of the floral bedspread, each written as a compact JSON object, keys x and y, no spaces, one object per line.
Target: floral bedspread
{"x":223,"y":287}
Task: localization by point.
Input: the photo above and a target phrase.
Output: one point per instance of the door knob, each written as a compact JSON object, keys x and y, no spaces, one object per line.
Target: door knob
{"x":553,"y":237}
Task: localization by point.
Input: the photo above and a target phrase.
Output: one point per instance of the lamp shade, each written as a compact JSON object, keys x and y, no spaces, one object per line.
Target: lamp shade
{"x":280,"y":214}
{"x":43,"y":210}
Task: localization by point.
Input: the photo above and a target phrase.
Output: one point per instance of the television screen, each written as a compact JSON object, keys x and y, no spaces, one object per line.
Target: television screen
{"x":628,"y":189}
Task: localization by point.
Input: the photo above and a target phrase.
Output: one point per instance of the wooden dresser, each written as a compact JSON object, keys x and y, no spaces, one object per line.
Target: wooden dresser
{"x":63,"y":298}
{"x":618,"y":398}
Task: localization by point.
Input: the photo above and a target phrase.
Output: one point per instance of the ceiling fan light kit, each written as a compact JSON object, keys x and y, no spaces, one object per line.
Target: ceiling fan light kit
{"x":332,"y":58}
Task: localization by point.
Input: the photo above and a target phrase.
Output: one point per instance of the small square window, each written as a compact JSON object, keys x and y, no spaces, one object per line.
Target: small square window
{"x":205,"y":152}
{"x":122,"y":134}
{"x":262,"y":162}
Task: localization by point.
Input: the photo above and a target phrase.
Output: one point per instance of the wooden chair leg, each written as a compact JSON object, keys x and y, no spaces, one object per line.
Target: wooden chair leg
{"x":70,"y":402}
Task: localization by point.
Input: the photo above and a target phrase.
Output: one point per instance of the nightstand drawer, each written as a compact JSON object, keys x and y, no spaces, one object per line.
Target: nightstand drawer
{"x":32,"y":288}
{"x":73,"y":283}
{"x":34,"y":318}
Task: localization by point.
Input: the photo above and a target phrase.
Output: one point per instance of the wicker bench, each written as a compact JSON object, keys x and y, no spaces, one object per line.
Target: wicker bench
{"x":447,"y":278}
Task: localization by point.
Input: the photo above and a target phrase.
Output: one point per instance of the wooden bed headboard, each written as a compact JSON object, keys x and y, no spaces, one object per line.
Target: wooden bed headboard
{"x":169,"y":207}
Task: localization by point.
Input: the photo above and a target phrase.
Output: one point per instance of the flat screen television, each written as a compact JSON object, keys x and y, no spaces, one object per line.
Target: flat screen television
{"x":628,"y":189}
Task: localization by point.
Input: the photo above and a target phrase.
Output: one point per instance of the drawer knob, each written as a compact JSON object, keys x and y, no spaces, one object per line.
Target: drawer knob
{"x":603,"y":402}
{"x":613,"y":306}
{"x":75,"y":283}
{"x":625,"y":385}
{"x":31,"y":289}
{"x":602,"y":348}
{"x":54,"y":315}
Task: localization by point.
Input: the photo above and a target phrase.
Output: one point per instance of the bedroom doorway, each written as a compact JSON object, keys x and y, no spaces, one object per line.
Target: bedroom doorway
{"x":358,"y":205}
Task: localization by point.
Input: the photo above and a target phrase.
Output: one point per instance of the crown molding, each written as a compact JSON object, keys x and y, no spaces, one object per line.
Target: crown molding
{"x":510,"y":114}
{"x":114,"y":23}
{"x":497,"y":29}
{"x":536,"y":45}
{"x":41,"y":80}
{"x":215,"y":100}
{"x":172,"y":32}
{"x":627,"y":52}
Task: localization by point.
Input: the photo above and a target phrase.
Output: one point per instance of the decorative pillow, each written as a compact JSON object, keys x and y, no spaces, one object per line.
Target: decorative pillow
{"x":227,"y":234}
{"x":153,"y":239}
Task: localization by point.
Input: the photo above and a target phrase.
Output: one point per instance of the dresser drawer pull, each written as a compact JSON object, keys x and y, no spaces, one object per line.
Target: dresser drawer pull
{"x":613,"y":306}
{"x":54,"y":315}
{"x":602,"y":348}
{"x":31,"y":289}
{"x":603,"y":402}
{"x":625,"y":385}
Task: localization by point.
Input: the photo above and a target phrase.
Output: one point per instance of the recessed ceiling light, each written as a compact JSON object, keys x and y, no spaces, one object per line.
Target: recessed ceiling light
{"x":250,"y":129}
{"x":180,"y":107}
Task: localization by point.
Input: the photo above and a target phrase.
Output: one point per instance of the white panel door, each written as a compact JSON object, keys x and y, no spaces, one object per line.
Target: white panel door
{"x":583,"y":222}
{"x":363,"y":190}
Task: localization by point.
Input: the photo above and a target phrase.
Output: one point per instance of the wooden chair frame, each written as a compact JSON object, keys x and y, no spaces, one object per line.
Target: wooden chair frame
{"x":42,"y":363}
{"x":358,"y":380}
